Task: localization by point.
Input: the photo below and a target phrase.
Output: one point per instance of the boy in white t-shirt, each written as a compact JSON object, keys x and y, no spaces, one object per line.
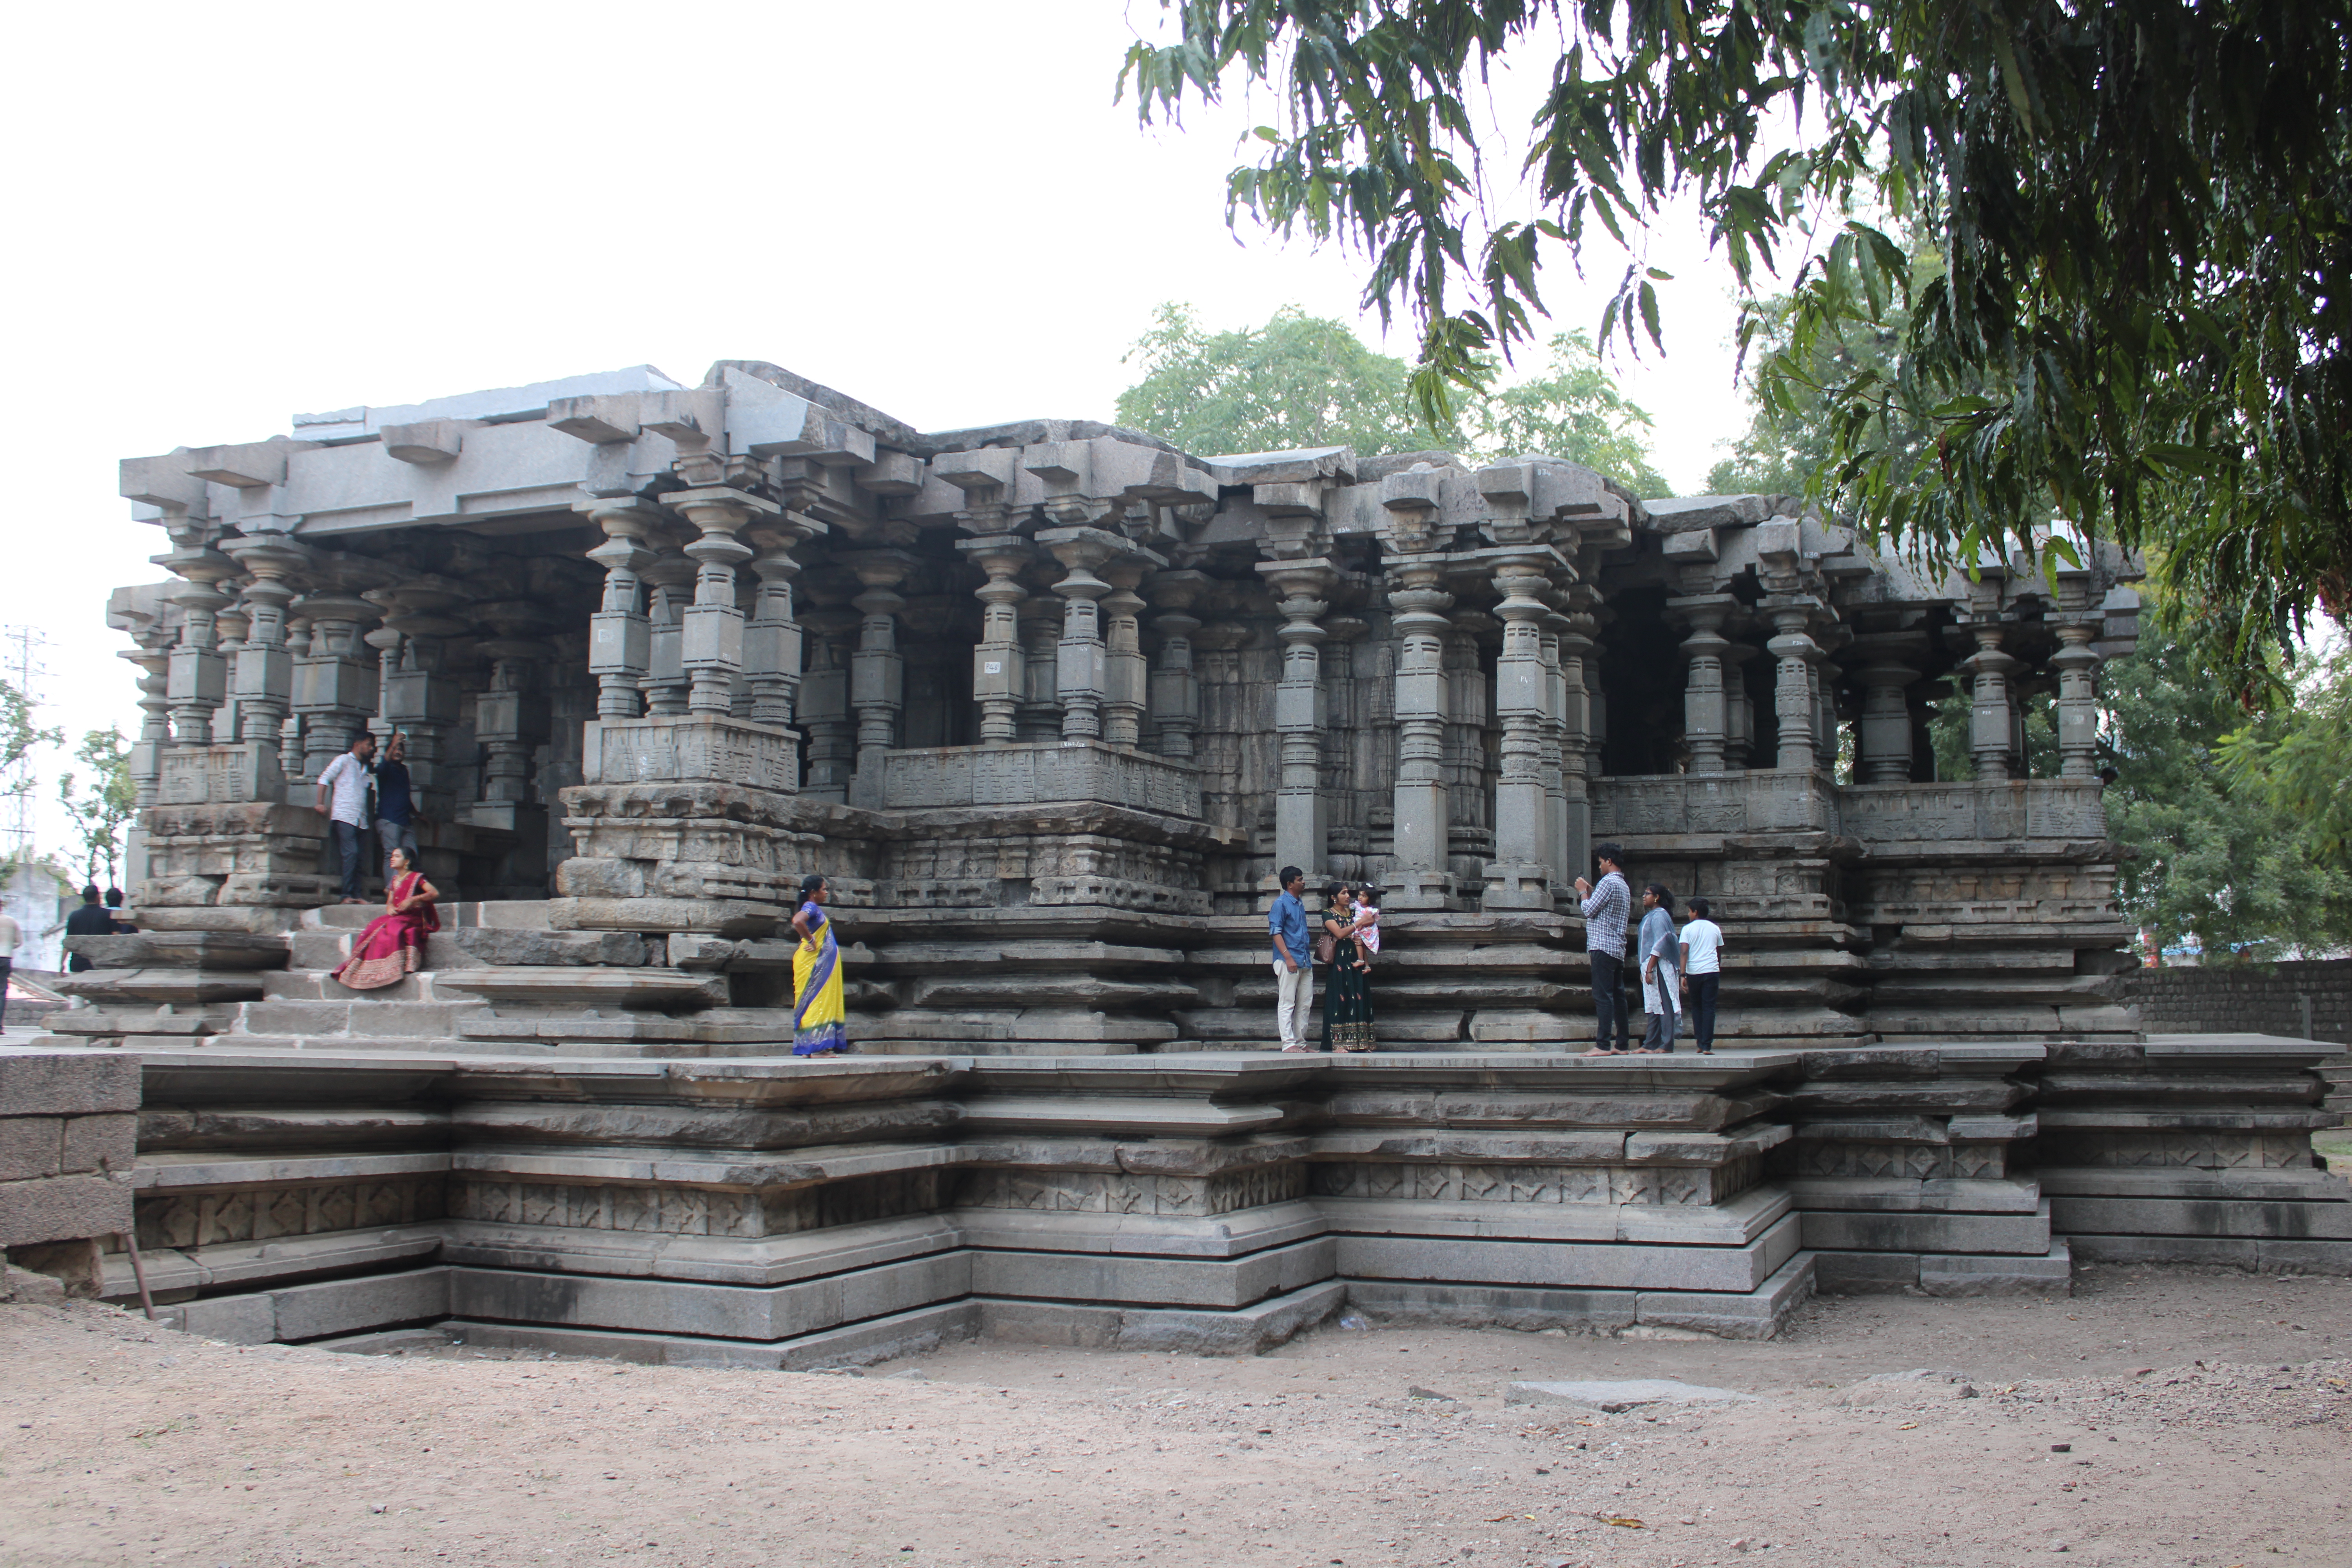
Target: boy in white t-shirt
{"x":1702,"y":944}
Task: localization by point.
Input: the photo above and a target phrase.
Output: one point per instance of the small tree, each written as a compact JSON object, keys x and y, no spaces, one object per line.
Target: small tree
{"x":18,"y":733}
{"x":106,"y":806}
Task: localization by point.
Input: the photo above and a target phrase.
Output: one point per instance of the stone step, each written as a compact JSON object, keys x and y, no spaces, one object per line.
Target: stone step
{"x":387,"y":1019}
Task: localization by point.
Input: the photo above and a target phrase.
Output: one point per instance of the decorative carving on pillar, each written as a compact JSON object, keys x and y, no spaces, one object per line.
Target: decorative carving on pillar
{"x":998,"y":673}
{"x":1083,"y":658}
{"x":878,"y":675}
{"x":1793,"y":703}
{"x":1300,"y":813}
{"x":153,"y":661}
{"x":1993,"y":716}
{"x":1704,"y":729}
{"x":198,"y":675}
{"x":1739,"y":708}
{"x":1469,"y":697}
{"x":1039,"y":713}
{"x":1175,"y":688}
{"x":1123,"y":667}
{"x":1882,"y":736}
{"x":666,"y":683}
{"x":336,"y":680}
{"x":1518,"y":876}
{"x":825,"y":703}
{"x":711,"y":651}
{"x":418,"y":697}
{"x":1577,"y":746}
{"x":620,"y":641}
{"x":263,"y":679}
{"x":772,"y":640}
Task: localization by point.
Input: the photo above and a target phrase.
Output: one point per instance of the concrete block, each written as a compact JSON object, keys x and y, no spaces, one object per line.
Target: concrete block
{"x":2049,"y":1275}
{"x":349,"y":1306}
{"x":1865,"y":1273}
{"x":103,"y":1142}
{"x":67,"y":1082}
{"x":1489,"y":1306}
{"x":60,"y":1209}
{"x":1173,"y":1331}
{"x":232,"y":1320}
{"x":30,"y":1146}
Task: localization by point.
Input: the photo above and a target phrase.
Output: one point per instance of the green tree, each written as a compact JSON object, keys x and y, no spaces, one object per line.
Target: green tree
{"x":106,"y":807}
{"x":1308,"y":381}
{"x":2211,"y":856}
{"x":18,"y":733}
{"x":1298,"y":381}
{"x":2145,"y":208}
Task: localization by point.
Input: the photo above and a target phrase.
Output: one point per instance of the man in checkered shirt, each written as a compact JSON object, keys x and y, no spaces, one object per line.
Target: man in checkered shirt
{"x":1606,"y":909}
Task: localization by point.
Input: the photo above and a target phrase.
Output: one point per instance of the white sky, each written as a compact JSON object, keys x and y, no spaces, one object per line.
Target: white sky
{"x":228,"y":215}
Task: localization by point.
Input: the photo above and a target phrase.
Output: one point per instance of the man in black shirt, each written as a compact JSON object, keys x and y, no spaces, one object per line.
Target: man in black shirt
{"x":396,"y":806}
{"x":91,"y":920}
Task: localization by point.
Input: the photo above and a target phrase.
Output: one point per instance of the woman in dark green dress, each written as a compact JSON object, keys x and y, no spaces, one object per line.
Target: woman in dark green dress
{"x":1346,"y":998}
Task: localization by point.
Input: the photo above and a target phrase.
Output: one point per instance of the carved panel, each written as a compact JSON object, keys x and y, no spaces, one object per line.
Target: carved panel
{"x":1091,"y":1191}
{"x":190,"y":1221}
{"x":2207,"y":1149}
{"x":672,"y":1209}
{"x":1515,"y":1184}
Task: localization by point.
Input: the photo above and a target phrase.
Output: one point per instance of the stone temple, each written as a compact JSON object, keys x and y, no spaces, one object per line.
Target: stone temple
{"x":1049,"y":702}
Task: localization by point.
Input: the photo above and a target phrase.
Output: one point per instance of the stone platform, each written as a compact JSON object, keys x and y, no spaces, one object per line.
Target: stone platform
{"x":769,"y":1211}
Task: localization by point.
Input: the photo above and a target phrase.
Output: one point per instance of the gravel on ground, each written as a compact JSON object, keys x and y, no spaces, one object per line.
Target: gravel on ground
{"x":2158,"y":1416}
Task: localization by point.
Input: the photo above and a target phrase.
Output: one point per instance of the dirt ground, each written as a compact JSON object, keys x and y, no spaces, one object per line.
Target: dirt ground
{"x":2158,"y":1416}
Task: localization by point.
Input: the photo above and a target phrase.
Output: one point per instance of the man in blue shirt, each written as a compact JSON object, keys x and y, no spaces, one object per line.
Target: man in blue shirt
{"x":1294,"y":961}
{"x":396,"y":806}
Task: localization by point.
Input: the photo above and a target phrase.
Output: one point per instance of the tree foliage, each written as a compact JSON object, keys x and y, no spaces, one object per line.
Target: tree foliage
{"x":1308,"y":381}
{"x":18,"y":733}
{"x":2145,"y":208}
{"x":102,"y":809}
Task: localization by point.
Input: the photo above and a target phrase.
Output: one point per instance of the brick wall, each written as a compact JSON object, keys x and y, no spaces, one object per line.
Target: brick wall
{"x":68,"y":1124}
{"x":2262,"y":999}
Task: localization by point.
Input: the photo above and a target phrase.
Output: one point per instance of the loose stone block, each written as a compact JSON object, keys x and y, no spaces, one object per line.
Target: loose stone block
{"x":67,"y":1083}
{"x":1613,"y":1398}
{"x":30,"y":1146}
{"x":98,"y":1142}
{"x":61,"y":1208}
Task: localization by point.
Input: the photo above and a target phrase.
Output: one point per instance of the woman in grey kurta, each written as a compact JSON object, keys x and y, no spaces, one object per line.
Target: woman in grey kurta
{"x":1660,"y":956}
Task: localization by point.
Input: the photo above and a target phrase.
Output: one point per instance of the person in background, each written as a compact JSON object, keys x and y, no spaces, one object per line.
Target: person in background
{"x":342,"y":800}
{"x":1606,"y":907}
{"x":114,"y":902}
{"x":1661,"y":960}
{"x":1294,"y":961}
{"x":91,"y":920}
{"x":12,"y":937}
{"x":395,"y":807}
{"x":1702,"y":971}
{"x":1347,"y":1002}
{"x":820,"y":1008}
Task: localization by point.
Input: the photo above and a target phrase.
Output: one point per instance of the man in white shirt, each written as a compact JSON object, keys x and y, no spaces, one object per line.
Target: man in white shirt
{"x":1702,"y":971}
{"x":12,"y":937}
{"x":342,"y":800}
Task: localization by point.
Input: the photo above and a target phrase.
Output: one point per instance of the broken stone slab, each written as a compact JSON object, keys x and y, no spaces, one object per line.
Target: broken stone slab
{"x":180,"y":987}
{"x":564,"y":986}
{"x":212,"y":949}
{"x":1631,"y":1393}
{"x":527,"y":949}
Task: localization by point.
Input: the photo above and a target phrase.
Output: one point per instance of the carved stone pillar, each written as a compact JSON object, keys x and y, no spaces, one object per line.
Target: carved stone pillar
{"x":1554,"y":755}
{"x":1576,"y":746}
{"x":1705,"y":730}
{"x":999,"y":675}
{"x":263,"y":678}
{"x":1123,"y":667}
{"x":198,"y":675}
{"x":1792,"y":688}
{"x":1518,"y":878}
{"x":418,"y":697}
{"x":771,"y":639}
{"x":1038,"y":715}
{"x":824,"y":703}
{"x":153,"y":661}
{"x":666,"y":683}
{"x":1882,"y":736}
{"x":620,"y":639}
{"x":1420,"y":877}
{"x":711,"y":651}
{"x":1081,"y":663}
{"x":878,"y":675}
{"x":1175,"y":688}
{"x":2077,"y":663}
{"x":1300,"y":819}
{"x":1469,"y":697}
{"x":1739,"y":708}
{"x":1992,"y":717}
{"x":336,"y":680}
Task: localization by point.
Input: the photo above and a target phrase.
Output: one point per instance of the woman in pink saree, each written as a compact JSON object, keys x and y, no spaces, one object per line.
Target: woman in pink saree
{"x":388,"y":951}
